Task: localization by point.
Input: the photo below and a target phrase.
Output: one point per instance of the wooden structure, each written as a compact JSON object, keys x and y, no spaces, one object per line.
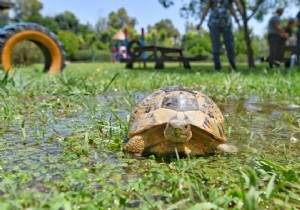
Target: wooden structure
{"x":6,"y":5}
{"x":159,"y":55}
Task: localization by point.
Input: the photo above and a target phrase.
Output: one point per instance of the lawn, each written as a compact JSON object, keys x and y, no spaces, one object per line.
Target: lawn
{"x":61,"y":139}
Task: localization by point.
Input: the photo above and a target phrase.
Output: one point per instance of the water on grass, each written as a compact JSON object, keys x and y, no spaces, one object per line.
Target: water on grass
{"x":44,"y":152}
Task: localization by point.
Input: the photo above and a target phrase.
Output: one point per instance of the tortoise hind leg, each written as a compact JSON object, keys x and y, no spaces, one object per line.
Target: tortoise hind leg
{"x":135,"y":145}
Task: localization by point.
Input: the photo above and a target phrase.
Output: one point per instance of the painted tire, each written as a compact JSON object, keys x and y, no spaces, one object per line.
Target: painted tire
{"x":46,"y":40}
{"x":131,"y":52}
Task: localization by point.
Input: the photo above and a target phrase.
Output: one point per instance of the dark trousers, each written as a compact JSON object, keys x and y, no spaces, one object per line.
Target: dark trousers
{"x":215,"y":35}
{"x":282,"y":43}
{"x":298,"y":44}
{"x":274,"y":41}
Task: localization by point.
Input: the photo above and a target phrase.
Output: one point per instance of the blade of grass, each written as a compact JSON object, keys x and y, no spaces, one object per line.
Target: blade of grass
{"x":110,"y":82}
{"x":270,"y":186}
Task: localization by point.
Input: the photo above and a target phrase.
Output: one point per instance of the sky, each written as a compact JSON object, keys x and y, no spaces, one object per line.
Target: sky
{"x":147,"y":12}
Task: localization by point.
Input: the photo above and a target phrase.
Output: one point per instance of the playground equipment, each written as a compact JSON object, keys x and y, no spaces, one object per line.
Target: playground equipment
{"x":118,"y":39}
{"x":138,"y":52}
{"x":46,"y":40}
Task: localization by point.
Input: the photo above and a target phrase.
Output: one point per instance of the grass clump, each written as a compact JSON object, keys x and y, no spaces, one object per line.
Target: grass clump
{"x":62,"y":138}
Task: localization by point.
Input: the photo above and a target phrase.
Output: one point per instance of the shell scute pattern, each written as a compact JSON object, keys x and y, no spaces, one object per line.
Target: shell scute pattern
{"x":150,"y":103}
{"x":180,"y":101}
{"x":177,"y":119}
{"x":160,"y":106}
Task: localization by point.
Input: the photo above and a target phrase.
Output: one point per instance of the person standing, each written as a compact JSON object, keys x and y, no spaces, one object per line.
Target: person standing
{"x":283,"y":40}
{"x":219,"y":23}
{"x":298,"y":38}
{"x":275,"y":34}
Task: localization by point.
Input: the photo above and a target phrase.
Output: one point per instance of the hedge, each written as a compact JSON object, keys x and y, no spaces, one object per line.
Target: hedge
{"x":92,"y":55}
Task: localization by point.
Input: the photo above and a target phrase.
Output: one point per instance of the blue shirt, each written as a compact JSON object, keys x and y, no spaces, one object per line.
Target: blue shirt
{"x":219,"y":13}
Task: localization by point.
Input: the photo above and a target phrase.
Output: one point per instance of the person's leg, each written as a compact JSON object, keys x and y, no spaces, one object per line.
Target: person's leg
{"x":216,"y":44}
{"x":280,"y":52}
{"x":298,"y":46}
{"x":273,"y":41}
{"x":229,"y":44}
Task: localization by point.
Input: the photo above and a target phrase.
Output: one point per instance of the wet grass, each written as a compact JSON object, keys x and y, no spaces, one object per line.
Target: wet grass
{"x":61,"y":140}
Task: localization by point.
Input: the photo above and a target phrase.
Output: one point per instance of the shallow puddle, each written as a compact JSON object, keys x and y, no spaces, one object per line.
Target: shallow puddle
{"x":50,"y":149}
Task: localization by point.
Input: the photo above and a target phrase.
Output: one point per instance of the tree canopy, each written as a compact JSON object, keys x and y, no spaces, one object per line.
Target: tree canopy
{"x":99,"y":36}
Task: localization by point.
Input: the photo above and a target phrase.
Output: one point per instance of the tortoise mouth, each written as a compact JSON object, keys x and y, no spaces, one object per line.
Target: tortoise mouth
{"x":177,"y":131}
{"x":168,"y":148}
{"x":177,"y":136}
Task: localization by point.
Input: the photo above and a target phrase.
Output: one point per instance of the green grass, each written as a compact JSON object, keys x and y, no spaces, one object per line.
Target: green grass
{"x":61,"y":139}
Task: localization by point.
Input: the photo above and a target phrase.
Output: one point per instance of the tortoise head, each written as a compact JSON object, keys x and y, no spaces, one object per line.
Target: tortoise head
{"x":178,"y":130}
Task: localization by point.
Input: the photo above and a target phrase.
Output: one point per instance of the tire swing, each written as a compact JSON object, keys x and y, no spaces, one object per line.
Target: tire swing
{"x":131,"y":51}
{"x":47,"y":41}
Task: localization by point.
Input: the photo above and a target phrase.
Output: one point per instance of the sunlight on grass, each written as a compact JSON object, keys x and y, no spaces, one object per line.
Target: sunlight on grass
{"x":61,"y":140}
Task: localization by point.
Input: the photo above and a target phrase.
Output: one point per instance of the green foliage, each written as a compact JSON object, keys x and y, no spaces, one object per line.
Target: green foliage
{"x":240,"y":43}
{"x":163,"y":33}
{"x":4,"y":18}
{"x":28,"y":10}
{"x":50,"y":23}
{"x":92,"y":55}
{"x":67,"y":21}
{"x":64,"y":135}
{"x":195,"y":43}
{"x":70,"y":42}
{"x":26,"y":53}
{"x":120,"y":19}
{"x":167,"y":27}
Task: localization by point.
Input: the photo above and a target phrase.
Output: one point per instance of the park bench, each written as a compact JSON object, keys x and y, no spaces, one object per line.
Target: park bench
{"x":159,"y":55}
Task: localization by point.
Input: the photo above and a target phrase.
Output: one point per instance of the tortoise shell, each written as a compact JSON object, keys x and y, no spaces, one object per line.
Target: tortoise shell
{"x":161,"y":106}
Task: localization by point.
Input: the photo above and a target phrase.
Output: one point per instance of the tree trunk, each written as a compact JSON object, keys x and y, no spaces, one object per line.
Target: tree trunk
{"x":251,"y":63}
{"x":243,"y":11}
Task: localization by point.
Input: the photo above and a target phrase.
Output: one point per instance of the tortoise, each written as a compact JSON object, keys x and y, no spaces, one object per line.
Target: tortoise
{"x":177,"y":119}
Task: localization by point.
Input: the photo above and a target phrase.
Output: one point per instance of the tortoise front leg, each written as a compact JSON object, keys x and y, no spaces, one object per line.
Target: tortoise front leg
{"x":135,"y":145}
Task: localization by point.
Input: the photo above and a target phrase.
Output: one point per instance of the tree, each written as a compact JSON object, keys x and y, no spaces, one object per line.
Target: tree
{"x":163,"y":33}
{"x":168,"y":26}
{"x":101,"y":25}
{"x":197,"y":44}
{"x":247,"y":10}
{"x":118,"y":20}
{"x":28,"y":10}
{"x":4,"y":17}
{"x":70,"y":42}
{"x":50,"y":23}
{"x":67,"y":21}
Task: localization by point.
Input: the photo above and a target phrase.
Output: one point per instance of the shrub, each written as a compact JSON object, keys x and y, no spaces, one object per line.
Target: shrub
{"x":92,"y":55}
{"x":26,"y":53}
{"x":70,"y":42}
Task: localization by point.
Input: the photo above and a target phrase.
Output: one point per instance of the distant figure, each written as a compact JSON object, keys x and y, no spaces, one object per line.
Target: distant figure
{"x":283,"y":40}
{"x":220,"y":23}
{"x":114,"y":54}
{"x":298,"y":37}
{"x":275,"y":34}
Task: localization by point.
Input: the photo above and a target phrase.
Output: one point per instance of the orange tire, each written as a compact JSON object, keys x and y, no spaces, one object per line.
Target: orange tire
{"x":46,"y":40}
